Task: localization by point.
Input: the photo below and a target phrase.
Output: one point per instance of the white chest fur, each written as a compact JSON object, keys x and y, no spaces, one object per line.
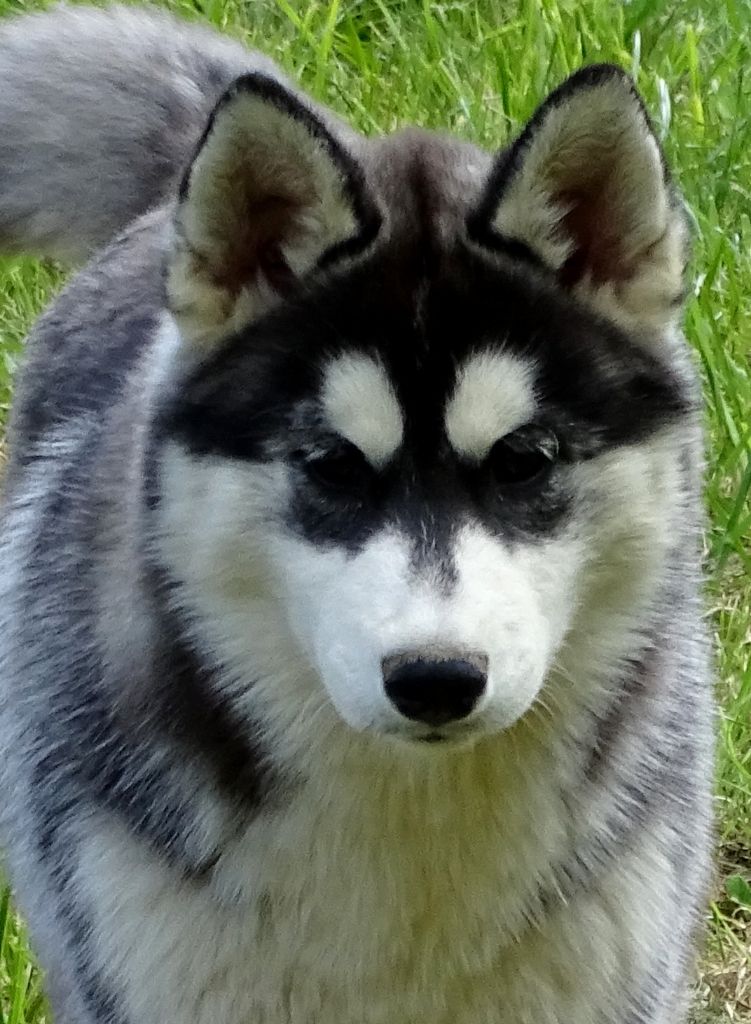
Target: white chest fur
{"x":394,"y":901}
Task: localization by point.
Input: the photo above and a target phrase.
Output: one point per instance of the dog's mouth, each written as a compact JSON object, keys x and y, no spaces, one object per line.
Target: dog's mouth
{"x":447,"y":739}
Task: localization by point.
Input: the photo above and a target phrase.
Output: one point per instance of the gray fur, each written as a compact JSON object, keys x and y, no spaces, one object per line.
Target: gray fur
{"x":141,"y":783}
{"x":117,"y":97}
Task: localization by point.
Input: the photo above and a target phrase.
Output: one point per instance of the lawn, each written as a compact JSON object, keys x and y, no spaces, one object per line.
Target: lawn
{"x":478,"y":68}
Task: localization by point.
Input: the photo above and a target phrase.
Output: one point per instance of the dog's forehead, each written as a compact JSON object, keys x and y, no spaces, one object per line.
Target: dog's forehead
{"x":426,"y":183}
{"x":491,"y":393}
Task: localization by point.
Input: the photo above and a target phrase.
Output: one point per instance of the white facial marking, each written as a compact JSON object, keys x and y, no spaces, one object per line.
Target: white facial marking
{"x":360,"y":404}
{"x":352,"y":612}
{"x":310,"y":625}
{"x":494,"y":395}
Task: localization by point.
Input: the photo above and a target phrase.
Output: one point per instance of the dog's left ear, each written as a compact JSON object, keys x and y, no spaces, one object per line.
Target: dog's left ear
{"x":584,"y":191}
{"x":273,"y":195}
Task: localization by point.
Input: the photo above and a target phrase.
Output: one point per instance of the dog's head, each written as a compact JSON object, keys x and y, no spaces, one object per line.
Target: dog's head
{"x":418,"y":455}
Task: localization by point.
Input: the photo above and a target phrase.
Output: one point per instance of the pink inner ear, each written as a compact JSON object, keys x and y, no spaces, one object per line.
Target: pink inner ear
{"x":254,"y":245}
{"x":591,"y":224}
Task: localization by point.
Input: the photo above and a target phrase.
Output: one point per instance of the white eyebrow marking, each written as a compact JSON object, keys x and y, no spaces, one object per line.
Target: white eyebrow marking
{"x":360,"y":404}
{"x":494,"y":395}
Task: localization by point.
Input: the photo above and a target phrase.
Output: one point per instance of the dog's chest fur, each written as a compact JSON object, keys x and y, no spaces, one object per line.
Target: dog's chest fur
{"x":396,"y":899}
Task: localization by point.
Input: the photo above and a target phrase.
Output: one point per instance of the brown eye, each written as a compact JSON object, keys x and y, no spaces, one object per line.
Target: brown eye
{"x":526,"y":456}
{"x":343,"y":468}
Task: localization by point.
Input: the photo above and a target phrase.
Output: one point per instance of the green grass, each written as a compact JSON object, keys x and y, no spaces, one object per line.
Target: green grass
{"x":478,"y":68}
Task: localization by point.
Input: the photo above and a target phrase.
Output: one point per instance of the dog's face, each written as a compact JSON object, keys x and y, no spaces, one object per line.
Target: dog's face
{"x":419,"y":462}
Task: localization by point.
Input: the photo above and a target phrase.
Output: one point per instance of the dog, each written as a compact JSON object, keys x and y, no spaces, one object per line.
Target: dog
{"x":351,"y":645}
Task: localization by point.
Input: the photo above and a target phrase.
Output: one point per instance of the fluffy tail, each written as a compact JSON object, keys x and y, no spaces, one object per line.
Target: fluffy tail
{"x":99,"y":113}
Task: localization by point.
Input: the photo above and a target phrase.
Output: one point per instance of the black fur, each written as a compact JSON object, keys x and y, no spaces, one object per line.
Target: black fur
{"x":597,"y":390}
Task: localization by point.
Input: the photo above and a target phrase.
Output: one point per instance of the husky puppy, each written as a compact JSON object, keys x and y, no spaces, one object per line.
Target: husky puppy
{"x":351,"y":657}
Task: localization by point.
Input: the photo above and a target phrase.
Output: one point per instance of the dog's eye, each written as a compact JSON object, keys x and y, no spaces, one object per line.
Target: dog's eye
{"x":343,"y":468}
{"x":525,"y":456}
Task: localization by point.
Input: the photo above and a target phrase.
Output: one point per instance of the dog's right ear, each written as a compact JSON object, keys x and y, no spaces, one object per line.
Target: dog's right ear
{"x":270,"y":197}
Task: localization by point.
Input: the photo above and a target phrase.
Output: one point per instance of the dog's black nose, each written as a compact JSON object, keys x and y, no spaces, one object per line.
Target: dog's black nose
{"x":434,"y":691}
